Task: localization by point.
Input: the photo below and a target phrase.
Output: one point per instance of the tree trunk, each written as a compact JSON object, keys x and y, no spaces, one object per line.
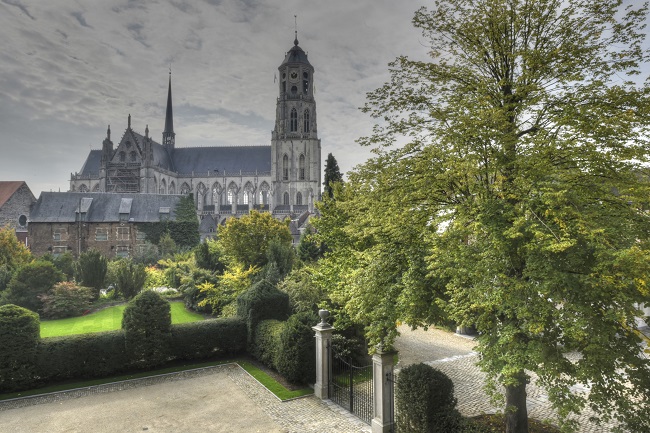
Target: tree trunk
{"x":516,"y":411}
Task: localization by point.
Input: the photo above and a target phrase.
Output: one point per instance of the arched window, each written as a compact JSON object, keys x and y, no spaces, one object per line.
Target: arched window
{"x":83,"y":188}
{"x":293,"y":124}
{"x":172,"y":188}
{"x":294,"y":90}
{"x":230,"y":196}
{"x":285,"y":167}
{"x":286,"y":199}
{"x":246,"y":197}
{"x":299,"y":198}
{"x":163,"y":187}
{"x":305,"y":82}
{"x":134,"y":156}
{"x":305,"y":126}
{"x":301,"y":168}
{"x":122,"y":156}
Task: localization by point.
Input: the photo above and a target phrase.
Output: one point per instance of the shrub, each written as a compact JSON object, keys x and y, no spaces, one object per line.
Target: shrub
{"x":425,"y":401}
{"x":129,"y":278}
{"x":147,"y":327}
{"x":31,"y":281}
{"x":262,"y":302}
{"x":66,"y":299}
{"x":19,"y":336}
{"x":82,"y":356}
{"x":90,"y":270}
{"x":208,"y":338}
{"x":265,"y":347}
{"x":296,"y":358}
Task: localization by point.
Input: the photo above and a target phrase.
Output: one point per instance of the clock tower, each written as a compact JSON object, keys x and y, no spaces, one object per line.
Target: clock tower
{"x":295,"y":146}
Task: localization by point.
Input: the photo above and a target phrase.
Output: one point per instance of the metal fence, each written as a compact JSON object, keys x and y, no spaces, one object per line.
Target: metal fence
{"x":351,"y":386}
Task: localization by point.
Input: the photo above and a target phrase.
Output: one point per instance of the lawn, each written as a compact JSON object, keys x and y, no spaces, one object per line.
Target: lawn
{"x":108,"y":319}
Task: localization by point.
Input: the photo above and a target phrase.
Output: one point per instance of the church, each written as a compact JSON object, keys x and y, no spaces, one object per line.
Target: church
{"x":283,"y":178}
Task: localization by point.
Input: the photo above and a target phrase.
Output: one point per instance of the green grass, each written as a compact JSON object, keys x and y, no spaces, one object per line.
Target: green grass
{"x":267,"y":381}
{"x":108,"y":319}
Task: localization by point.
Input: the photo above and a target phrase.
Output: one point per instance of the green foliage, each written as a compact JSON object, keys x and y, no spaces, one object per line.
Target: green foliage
{"x":309,"y":250}
{"x":129,"y":277}
{"x":90,"y":270}
{"x":235,"y":281}
{"x":265,"y":344}
{"x":147,"y":326}
{"x":166,"y":245}
{"x":64,"y":263}
{"x":19,"y":335}
{"x":13,"y":254}
{"x":208,"y":256}
{"x":147,"y":254}
{"x":155,"y":277}
{"x":66,"y":299}
{"x":332,"y":175}
{"x":296,"y":358}
{"x":263,"y":301}
{"x":246,"y":240}
{"x":208,"y":338}
{"x":425,"y":401}
{"x":304,"y":293}
{"x":82,"y":356}
{"x":185,"y":209}
{"x":515,"y":201}
{"x":32,"y":281}
{"x":282,"y":255}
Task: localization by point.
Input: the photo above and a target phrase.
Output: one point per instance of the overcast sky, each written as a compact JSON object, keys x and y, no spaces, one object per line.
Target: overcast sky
{"x":69,"y":68}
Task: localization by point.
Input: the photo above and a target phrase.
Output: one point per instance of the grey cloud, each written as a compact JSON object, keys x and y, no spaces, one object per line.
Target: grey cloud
{"x":136,"y":31}
{"x":20,"y":6}
{"x":80,"y":19}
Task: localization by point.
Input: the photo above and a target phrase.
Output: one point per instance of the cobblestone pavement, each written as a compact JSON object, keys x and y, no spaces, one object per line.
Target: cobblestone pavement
{"x":453,"y":355}
{"x":216,"y":399}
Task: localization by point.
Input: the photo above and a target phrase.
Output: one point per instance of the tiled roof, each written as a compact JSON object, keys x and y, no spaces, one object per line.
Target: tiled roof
{"x":101,"y":207}
{"x":92,"y":164}
{"x":8,"y":188}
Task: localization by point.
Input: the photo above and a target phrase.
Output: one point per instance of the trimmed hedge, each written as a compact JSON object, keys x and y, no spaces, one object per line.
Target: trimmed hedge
{"x":208,"y":338}
{"x":261,"y":302}
{"x":425,"y":401}
{"x":82,"y":356}
{"x":147,"y":325}
{"x":19,"y":336}
{"x":288,"y":347}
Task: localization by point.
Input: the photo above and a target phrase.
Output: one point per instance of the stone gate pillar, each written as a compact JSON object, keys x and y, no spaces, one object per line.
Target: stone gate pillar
{"x":323,"y":355}
{"x":383,"y":395}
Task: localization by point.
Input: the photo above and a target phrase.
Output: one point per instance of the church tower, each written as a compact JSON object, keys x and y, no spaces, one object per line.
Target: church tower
{"x":168,"y":135}
{"x":295,"y":146}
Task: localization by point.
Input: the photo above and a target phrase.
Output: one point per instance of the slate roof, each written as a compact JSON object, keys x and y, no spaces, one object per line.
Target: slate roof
{"x":101,"y":207}
{"x":92,"y":164}
{"x":8,"y":188}
{"x":231,"y":159}
{"x":160,"y":155}
{"x":295,"y":55}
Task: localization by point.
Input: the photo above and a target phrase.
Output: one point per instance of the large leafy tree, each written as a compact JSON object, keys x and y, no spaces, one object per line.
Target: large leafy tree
{"x":13,"y":255}
{"x":332,"y":175}
{"x":90,"y":270}
{"x":522,"y":185}
{"x":246,"y":240}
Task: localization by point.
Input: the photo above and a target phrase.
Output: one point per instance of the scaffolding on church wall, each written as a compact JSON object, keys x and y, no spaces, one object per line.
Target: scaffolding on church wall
{"x":123,"y":178}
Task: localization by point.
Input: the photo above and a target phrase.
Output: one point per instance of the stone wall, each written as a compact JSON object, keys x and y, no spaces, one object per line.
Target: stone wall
{"x":17,"y":205}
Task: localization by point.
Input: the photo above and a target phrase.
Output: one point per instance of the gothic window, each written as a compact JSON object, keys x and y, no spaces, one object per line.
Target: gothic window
{"x":305,"y":82}
{"x":285,"y":167}
{"x":286,"y":199}
{"x":163,"y":187}
{"x":134,"y":156}
{"x":172,"y":188}
{"x":299,"y":198}
{"x":301,"y":168}
{"x":122,"y":156}
{"x":230,"y":196}
{"x":185,"y":189}
{"x":96,"y":188}
{"x":264,"y":193}
{"x":293,"y":124}
{"x":216,"y":193}
{"x":305,"y":126}
{"x":83,"y":188}
{"x":294,"y":90}
{"x":246,"y":197}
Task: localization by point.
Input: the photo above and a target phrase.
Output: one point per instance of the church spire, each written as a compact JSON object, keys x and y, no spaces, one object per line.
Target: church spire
{"x":169,"y":137}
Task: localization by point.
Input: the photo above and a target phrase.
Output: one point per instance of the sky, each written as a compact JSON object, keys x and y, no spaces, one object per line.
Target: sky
{"x":69,"y":68}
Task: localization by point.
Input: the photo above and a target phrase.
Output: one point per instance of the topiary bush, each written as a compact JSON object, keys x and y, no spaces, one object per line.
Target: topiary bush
{"x":263,"y":301}
{"x":19,"y":336}
{"x":208,"y":338}
{"x":425,"y":401}
{"x":147,"y":327}
{"x":266,"y":347}
{"x":296,"y":358}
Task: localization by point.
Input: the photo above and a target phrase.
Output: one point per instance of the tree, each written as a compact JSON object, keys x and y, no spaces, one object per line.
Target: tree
{"x":308,"y":250}
{"x":13,"y":255}
{"x":208,"y":256}
{"x":523,"y":184}
{"x":30,"y":282}
{"x":90,"y":270}
{"x":332,"y":174}
{"x":245,"y":240}
{"x":66,"y":299}
{"x":130,"y":278}
{"x":147,"y":327}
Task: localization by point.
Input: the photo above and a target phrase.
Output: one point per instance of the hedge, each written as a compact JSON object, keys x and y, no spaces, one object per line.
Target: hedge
{"x":208,"y":338}
{"x":261,"y":302}
{"x":147,"y":325}
{"x":19,"y":336}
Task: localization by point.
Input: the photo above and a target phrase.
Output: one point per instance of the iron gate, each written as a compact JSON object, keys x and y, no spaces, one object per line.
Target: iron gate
{"x":351,"y":386}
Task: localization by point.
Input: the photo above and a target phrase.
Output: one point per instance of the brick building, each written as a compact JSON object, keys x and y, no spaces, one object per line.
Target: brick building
{"x":15,"y":201}
{"x":108,"y":222}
